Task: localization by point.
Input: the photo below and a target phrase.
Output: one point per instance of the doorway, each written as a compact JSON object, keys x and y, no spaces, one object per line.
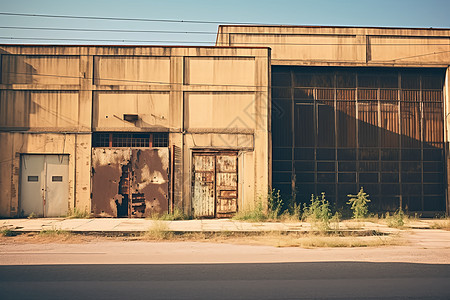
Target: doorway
{"x":44,"y":185}
{"x":214,"y":184}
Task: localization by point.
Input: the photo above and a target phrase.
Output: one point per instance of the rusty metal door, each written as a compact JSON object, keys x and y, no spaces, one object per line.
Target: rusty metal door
{"x":214,"y":184}
{"x":204,"y":166}
{"x":130,"y":182}
{"x":226,"y":185}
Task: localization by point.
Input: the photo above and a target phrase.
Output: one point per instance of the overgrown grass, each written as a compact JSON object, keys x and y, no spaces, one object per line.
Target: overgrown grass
{"x":158,"y":231}
{"x":54,"y":232}
{"x":78,"y":214}
{"x":258,"y":214}
{"x":443,"y":224}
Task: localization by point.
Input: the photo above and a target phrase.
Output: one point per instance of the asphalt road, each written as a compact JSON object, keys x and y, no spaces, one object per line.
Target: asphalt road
{"x":306,"y":280}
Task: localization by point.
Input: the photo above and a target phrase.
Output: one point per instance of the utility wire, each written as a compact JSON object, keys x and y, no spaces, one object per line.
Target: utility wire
{"x":129,"y":19}
{"x":107,"y":30}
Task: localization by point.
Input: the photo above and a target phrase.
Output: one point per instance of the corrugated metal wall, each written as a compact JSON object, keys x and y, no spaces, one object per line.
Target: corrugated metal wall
{"x":344,"y":128}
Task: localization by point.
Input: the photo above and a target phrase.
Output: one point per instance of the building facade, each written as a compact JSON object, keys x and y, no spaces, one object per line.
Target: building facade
{"x":134,"y":130}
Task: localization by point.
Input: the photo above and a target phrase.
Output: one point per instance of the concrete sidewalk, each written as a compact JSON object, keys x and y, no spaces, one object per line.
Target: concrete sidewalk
{"x":130,"y":226}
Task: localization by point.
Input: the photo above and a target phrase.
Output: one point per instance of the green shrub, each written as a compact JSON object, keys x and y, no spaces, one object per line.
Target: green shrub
{"x":318,"y":212}
{"x":359,"y":204}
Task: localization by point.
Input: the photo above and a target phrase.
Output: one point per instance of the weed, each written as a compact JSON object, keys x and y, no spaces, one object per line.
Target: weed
{"x":78,"y":214}
{"x":318,"y":212}
{"x":334,"y":221}
{"x":54,"y":232}
{"x":275,"y":204}
{"x":396,"y":220}
{"x":257,"y":214}
{"x":359,"y":204}
{"x":32,"y":216}
{"x":158,"y":231}
{"x":6,"y":232}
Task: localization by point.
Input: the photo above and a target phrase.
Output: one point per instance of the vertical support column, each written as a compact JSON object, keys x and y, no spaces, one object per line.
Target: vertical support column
{"x":262,"y":123}
{"x":176,"y":135}
{"x":82,"y":159}
{"x":336,"y":164}
{"x":293,"y":176}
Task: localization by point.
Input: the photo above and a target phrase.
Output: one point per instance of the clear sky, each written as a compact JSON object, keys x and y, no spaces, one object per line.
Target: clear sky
{"x":380,"y":13}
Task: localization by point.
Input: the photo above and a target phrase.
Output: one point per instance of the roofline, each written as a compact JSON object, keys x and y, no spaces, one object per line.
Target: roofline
{"x":132,"y":46}
{"x":345,"y":27}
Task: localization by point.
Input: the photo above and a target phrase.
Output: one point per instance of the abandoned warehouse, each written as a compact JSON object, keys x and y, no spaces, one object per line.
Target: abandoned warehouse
{"x":130,"y":131}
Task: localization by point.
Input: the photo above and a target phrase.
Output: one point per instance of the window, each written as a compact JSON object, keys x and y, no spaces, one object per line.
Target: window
{"x":127,"y":139}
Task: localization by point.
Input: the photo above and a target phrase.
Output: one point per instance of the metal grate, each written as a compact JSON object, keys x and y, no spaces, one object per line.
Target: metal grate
{"x":343,"y":128}
{"x":161,"y":139}
{"x":130,"y":140}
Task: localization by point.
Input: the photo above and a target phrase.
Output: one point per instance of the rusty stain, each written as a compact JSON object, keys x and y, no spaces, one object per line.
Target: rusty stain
{"x":130,"y":182}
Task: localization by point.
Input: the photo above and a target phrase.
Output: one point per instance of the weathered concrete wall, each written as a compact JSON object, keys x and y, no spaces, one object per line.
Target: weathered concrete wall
{"x":343,"y":46}
{"x":207,"y":98}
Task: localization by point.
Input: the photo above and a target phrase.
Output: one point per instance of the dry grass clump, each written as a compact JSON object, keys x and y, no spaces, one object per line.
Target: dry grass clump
{"x":158,"y":231}
{"x":443,"y":224}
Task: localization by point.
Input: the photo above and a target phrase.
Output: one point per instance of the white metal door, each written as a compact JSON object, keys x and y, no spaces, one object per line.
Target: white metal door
{"x":57,"y":189}
{"x":44,"y":185}
{"x":32,"y":185}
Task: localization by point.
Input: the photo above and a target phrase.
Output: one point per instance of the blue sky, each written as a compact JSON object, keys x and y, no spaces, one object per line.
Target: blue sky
{"x":383,"y":13}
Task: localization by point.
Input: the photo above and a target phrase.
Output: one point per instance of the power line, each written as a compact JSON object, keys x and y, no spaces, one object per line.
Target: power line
{"x":103,"y":40}
{"x":129,"y":19}
{"x":108,"y":30}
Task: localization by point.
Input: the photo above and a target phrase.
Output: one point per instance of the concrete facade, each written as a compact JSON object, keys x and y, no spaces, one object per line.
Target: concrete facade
{"x":53,"y":98}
